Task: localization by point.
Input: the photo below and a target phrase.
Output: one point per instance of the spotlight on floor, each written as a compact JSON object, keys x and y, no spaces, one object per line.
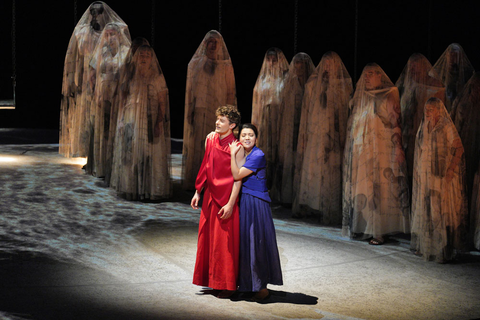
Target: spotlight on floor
{"x":7,"y":159}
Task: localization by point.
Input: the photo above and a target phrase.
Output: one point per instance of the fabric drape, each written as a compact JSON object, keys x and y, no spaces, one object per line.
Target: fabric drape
{"x":127,"y":71}
{"x":375,"y":191}
{"x":439,"y":205}
{"x":321,"y":141}
{"x":267,"y":97}
{"x":107,"y":61}
{"x":141,"y":160}
{"x":415,"y":87}
{"x":299,"y":71}
{"x":466,"y":116}
{"x":210,"y":85}
{"x":77,"y":89}
{"x":453,"y":69}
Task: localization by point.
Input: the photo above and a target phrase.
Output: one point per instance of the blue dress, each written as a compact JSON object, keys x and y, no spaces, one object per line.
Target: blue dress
{"x":259,"y":258}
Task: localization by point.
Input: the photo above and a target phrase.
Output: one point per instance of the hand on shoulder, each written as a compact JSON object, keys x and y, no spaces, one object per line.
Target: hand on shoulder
{"x":235,"y":146}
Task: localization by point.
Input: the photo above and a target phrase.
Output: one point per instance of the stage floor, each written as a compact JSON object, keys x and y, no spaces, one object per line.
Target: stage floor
{"x":71,"y":249}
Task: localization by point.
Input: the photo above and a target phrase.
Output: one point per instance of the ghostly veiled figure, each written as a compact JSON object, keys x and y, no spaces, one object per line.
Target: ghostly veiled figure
{"x":141,"y":159}
{"x":475,"y":209}
{"x":466,"y":116}
{"x":127,"y":71}
{"x":300,"y":70}
{"x":453,"y":69}
{"x":107,"y":62}
{"x":210,"y":84}
{"x":267,"y":97}
{"x":321,"y":141}
{"x":415,"y":87}
{"x":439,"y":202}
{"x":375,"y":192}
{"x":77,"y":90}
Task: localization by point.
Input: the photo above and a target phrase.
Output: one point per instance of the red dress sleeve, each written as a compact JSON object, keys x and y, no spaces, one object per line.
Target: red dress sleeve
{"x":202,"y":173}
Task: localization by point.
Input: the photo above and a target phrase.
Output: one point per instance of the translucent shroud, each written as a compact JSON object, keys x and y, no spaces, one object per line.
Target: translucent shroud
{"x":475,"y":210}
{"x":77,"y":91}
{"x":299,"y":71}
{"x":466,"y":116}
{"x":453,"y":69}
{"x":141,"y":160}
{"x":439,"y":206}
{"x":127,"y":71}
{"x":210,"y":85}
{"x":321,"y":142}
{"x":267,"y":96}
{"x":375,"y":192}
{"x":107,"y":61}
{"x":415,"y":87}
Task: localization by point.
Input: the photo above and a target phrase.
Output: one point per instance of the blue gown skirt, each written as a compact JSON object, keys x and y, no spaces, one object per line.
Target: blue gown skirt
{"x":259,"y":258}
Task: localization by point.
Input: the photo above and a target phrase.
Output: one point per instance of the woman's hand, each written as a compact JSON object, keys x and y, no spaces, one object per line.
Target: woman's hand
{"x":234,"y":147}
{"x":211,"y":135}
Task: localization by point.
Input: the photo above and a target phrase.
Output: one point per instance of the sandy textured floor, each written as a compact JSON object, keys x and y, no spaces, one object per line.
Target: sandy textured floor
{"x":71,"y":249}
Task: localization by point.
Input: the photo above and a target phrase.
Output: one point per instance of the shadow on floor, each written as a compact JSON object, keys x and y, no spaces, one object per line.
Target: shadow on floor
{"x":274,"y":297}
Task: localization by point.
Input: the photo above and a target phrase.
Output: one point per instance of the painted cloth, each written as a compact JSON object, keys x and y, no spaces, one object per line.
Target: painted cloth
{"x":210,"y":85}
{"x":77,"y":87}
{"x":141,"y":159}
{"x":375,"y":192}
{"x":439,"y":204}
{"x":415,"y":87}
{"x":321,"y":140}
{"x":267,"y":98}
{"x":300,"y":70}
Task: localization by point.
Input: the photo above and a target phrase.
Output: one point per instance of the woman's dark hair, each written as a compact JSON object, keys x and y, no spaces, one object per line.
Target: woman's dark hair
{"x":248,"y":126}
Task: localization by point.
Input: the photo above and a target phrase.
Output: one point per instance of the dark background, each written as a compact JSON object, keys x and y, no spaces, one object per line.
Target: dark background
{"x":388,"y":33}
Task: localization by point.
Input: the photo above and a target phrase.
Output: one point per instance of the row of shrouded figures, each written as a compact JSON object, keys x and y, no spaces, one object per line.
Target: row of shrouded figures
{"x":386,"y":158}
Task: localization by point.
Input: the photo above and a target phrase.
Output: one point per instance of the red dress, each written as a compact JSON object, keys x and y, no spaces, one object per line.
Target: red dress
{"x":216,"y":266}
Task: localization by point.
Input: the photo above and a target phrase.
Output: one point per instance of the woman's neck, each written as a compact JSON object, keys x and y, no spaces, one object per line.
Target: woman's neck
{"x":247,"y":151}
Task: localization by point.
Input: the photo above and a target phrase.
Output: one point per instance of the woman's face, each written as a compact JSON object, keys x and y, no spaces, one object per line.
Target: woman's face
{"x":248,"y":138}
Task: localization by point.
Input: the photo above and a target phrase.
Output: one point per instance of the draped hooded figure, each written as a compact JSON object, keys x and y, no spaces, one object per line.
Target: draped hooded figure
{"x":453,"y":69}
{"x":375,"y":193}
{"x":466,"y":116}
{"x":300,"y":70}
{"x":321,"y":140}
{"x":77,"y":90}
{"x":475,"y":209}
{"x":126,"y":72}
{"x":267,"y":97}
{"x":107,"y":62}
{"x":415,"y":87}
{"x":141,"y":160}
{"x":210,"y":84}
{"x":439,"y":202}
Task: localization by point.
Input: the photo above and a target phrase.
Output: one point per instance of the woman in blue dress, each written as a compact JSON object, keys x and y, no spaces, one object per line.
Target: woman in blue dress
{"x":259,"y":258}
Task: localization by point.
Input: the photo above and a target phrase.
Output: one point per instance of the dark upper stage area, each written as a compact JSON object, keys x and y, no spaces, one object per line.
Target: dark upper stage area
{"x":385,"y":32}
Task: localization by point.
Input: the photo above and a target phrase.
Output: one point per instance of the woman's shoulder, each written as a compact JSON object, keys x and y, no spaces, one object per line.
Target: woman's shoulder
{"x":257,"y":153}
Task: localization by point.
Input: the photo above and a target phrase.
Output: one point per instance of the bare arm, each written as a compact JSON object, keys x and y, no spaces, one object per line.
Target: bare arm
{"x":237,"y":155}
{"x":227,"y":210}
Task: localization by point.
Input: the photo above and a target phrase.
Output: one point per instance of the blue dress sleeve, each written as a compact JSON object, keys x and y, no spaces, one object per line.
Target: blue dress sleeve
{"x":256,"y":160}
